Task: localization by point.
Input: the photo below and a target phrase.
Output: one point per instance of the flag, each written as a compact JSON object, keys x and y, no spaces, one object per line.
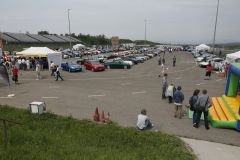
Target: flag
{"x":4,"y":74}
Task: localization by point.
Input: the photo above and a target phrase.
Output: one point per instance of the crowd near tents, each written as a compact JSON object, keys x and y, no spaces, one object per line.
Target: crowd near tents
{"x":40,"y":52}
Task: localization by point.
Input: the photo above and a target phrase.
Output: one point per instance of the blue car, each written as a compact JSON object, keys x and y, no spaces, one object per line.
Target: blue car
{"x":71,"y":67}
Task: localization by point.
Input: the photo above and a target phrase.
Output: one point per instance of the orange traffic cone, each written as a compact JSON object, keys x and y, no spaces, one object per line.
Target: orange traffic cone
{"x":103,"y":117}
{"x":96,"y":116}
{"x":108,"y":118}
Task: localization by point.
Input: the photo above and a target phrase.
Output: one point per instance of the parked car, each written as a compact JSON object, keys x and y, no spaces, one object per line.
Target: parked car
{"x":94,"y":65}
{"x":134,"y":60}
{"x":81,"y":61}
{"x":71,"y":67}
{"x":217,"y":63}
{"x":124,"y":61}
{"x":116,"y":64}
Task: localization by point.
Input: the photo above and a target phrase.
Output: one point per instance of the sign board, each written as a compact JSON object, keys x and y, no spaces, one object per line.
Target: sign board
{"x":115,"y":40}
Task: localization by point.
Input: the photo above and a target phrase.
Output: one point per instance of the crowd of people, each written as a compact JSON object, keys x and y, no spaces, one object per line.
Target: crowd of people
{"x":198,"y":104}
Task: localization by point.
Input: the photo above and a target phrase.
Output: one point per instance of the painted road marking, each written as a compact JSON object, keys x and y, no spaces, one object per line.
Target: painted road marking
{"x":124,"y":84}
{"x":218,"y":80}
{"x":50,"y":97}
{"x":54,"y":87}
{"x":179,"y":78}
{"x":6,"y":97}
{"x":141,"y":92}
{"x":97,"y":95}
{"x":200,"y":84}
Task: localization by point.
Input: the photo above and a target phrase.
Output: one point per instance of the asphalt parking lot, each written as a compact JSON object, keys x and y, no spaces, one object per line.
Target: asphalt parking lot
{"x":124,"y":93}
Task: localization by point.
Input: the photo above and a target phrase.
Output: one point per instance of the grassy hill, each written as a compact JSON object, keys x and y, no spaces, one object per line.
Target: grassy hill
{"x":48,"y":136}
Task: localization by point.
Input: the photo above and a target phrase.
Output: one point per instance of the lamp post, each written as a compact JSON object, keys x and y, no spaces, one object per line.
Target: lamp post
{"x":145,"y":32}
{"x":215,"y":27}
{"x":69,"y":29}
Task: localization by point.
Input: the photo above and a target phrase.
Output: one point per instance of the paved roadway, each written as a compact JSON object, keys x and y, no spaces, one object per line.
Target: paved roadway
{"x":124,"y":93}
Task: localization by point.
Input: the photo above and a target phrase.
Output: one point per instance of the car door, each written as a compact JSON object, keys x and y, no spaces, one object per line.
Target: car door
{"x":87,"y":65}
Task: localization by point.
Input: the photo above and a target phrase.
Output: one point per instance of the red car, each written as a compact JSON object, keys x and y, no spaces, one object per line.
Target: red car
{"x":94,"y":66}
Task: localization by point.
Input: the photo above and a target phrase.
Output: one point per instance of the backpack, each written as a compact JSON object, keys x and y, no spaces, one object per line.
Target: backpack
{"x":191,"y":104}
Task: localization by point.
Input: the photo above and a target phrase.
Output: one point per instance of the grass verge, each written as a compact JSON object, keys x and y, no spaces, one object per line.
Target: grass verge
{"x":49,"y":136}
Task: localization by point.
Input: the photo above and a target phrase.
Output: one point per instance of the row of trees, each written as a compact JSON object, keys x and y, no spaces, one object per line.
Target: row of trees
{"x":98,"y":39}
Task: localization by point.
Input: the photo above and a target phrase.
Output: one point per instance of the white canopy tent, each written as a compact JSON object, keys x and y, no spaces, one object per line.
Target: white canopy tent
{"x":78,"y":46}
{"x":233,"y":57}
{"x":51,"y":55}
{"x":203,"y":47}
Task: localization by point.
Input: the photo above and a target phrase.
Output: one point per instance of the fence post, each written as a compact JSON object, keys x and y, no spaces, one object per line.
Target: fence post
{"x":5,"y":132}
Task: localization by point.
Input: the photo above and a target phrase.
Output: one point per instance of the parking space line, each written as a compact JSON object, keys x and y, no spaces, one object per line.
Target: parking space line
{"x":141,"y":92}
{"x":200,"y":84}
{"x":5,"y":97}
{"x":96,"y":95}
{"x":54,"y":87}
{"x":218,"y":80}
{"x":50,"y":97}
{"x":124,"y":84}
{"x":179,"y":78}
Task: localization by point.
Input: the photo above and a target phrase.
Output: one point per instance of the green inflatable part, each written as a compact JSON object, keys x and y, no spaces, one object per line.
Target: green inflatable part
{"x":224,"y":124}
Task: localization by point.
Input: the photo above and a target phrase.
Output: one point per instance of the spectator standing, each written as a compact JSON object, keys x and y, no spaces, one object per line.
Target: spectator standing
{"x":170,"y":91}
{"x":202,"y":105}
{"x":174,"y":61}
{"x":58,"y":74}
{"x":28,"y":64}
{"x":192,"y":102}
{"x":164,"y":85}
{"x":178,"y":101}
{"x":38,"y":70}
{"x":143,"y":122}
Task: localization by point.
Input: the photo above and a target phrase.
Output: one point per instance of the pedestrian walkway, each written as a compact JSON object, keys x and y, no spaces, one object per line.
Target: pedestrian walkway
{"x":205,"y":150}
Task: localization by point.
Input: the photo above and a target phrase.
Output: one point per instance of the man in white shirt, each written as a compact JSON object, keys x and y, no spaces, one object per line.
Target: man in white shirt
{"x":52,"y":68}
{"x":143,"y":121}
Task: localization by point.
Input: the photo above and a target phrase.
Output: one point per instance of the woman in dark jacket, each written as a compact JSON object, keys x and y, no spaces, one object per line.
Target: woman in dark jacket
{"x":193,"y":100}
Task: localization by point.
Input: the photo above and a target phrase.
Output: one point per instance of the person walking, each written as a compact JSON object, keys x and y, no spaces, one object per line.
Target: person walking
{"x":15,"y":74}
{"x":178,"y":101}
{"x":58,"y":74}
{"x":174,"y":61}
{"x":202,"y":105}
{"x":159,"y":60}
{"x":38,"y":70}
{"x":192,"y":102}
{"x":143,"y":122}
{"x":164,"y":85}
{"x":208,"y":71}
{"x":52,"y":68}
{"x":163,"y":61}
{"x":170,"y":91}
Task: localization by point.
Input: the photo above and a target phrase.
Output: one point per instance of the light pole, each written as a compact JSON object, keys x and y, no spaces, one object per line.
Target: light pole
{"x":215,"y":27}
{"x":145,"y":32}
{"x":69,"y":29}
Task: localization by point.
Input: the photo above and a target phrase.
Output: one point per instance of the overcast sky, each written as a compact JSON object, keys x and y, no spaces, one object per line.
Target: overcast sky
{"x":172,"y":21}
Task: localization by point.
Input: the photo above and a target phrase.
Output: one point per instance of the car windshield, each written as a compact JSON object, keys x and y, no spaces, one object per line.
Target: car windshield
{"x":94,"y":62}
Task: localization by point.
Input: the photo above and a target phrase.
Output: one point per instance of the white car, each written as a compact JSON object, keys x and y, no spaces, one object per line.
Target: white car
{"x":217,"y":63}
{"x":126,"y":62}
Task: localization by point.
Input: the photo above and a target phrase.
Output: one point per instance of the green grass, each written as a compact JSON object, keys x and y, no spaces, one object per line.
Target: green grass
{"x":53,"y":137}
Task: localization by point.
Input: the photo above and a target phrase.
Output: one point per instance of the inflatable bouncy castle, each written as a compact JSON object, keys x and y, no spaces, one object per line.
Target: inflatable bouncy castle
{"x":225,"y":111}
